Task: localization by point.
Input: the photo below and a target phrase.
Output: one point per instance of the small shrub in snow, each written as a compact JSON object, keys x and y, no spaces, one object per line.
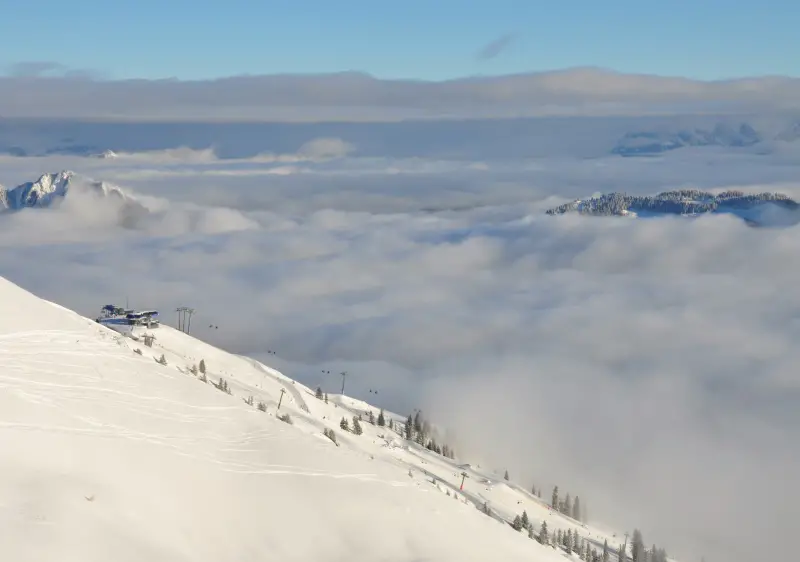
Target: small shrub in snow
{"x":204,"y":378}
{"x":137,"y":351}
{"x":161,"y":360}
{"x":249,"y":401}
{"x":261,"y":406}
{"x":285,"y":419}
{"x":326,"y":397}
{"x":203,"y":366}
{"x":193,"y":370}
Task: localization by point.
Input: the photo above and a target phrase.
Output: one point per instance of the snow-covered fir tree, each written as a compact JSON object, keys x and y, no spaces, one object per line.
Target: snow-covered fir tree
{"x":637,"y":547}
{"x":543,"y":536}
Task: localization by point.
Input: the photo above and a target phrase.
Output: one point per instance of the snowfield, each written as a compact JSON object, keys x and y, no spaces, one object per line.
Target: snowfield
{"x":106,"y":454}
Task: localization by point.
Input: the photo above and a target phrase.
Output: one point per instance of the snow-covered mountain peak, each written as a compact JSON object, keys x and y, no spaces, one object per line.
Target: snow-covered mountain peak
{"x":54,"y":186}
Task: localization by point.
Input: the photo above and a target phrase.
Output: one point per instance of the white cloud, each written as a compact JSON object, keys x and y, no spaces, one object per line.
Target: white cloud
{"x":648,"y":366}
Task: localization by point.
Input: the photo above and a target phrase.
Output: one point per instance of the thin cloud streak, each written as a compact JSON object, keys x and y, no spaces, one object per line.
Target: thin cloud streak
{"x":494,"y":48}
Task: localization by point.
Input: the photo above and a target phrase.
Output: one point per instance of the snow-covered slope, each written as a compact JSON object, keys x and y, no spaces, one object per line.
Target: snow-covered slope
{"x":52,"y":187}
{"x":107,"y":454}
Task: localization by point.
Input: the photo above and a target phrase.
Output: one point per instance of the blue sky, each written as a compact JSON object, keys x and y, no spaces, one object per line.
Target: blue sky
{"x":426,"y":39}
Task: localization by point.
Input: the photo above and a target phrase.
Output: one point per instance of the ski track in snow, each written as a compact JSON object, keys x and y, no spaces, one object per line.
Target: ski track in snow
{"x":21,"y":358}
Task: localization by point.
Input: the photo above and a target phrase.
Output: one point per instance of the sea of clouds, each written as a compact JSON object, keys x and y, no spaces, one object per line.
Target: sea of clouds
{"x":649,"y":366}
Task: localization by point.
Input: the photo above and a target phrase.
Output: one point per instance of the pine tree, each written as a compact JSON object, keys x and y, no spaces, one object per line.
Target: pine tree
{"x":418,"y":422}
{"x":203,"y":366}
{"x":344,"y":424}
{"x":506,"y":475}
{"x":525,"y":521}
{"x":569,"y":541}
{"x":326,"y":397}
{"x":543,"y":538}
{"x":530,"y":531}
{"x":559,"y":540}
{"x":576,"y":509}
{"x":533,"y":490}
{"x":637,"y":547}
{"x":409,"y":427}
{"x":622,"y":554}
{"x":391,"y":423}
{"x":371,"y":417}
{"x":554,"y":503}
{"x":319,"y":393}
{"x":357,"y":426}
{"x":567,"y":506}
{"x":381,"y":419}
{"x":606,"y":553}
{"x":517,"y":524}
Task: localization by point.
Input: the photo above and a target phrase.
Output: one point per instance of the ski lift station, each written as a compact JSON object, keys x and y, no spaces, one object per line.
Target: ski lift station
{"x":125,"y":320}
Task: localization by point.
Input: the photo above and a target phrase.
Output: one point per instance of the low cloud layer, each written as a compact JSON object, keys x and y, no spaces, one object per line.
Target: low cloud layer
{"x":648,"y":366}
{"x":26,"y":92}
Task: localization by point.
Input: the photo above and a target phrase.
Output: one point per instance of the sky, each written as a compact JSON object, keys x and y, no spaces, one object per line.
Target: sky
{"x":412,"y":39}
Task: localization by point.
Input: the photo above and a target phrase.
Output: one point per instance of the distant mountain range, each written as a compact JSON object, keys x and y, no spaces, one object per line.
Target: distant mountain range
{"x":762,"y":209}
{"x":649,"y":143}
